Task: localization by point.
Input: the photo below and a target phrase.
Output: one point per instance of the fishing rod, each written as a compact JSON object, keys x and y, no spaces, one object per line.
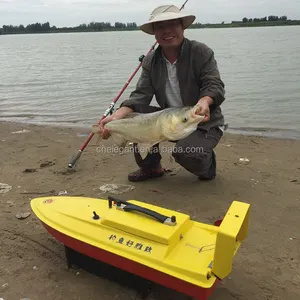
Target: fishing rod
{"x":110,"y":109}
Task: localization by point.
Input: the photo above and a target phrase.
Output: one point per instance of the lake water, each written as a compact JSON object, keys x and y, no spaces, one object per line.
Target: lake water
{"x":70,"y":79}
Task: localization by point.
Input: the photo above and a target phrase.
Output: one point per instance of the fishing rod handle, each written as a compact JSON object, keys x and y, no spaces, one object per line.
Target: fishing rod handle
{"x":74,"y":159}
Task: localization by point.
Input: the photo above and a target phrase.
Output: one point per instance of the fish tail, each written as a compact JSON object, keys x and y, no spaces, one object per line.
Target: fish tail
{"x":98,"y":140}
{"x":95,"y":128}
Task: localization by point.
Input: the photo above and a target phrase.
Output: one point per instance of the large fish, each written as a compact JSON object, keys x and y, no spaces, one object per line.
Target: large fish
{"x":148,"y":129}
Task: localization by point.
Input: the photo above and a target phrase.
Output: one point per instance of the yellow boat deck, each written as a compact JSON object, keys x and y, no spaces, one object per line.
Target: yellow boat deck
{"x":191,"y":251}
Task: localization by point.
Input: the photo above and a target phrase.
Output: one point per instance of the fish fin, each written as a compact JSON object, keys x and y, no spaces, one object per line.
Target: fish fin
{"x":144,"y":148}
{"x":119,"y":140}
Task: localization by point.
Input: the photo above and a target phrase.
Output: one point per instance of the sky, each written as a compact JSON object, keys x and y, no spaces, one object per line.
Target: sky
{"x":75,"y":12}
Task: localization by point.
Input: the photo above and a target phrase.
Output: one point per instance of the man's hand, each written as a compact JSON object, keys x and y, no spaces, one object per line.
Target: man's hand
{"x":203,"y":107}
{"x":119,"y":114}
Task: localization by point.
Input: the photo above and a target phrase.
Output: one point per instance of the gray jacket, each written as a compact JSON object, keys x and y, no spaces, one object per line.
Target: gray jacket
{"x":198,"y":76}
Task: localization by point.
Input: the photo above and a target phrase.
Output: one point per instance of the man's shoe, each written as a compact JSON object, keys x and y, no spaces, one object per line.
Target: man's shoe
{"x":205,"y":178}
{"x":143,"y":174}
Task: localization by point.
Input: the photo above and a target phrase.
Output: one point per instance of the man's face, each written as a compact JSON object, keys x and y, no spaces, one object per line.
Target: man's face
{"x":168,"y":33}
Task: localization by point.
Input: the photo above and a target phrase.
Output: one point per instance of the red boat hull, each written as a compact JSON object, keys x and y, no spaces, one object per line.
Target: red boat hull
{"x":132,"y":266}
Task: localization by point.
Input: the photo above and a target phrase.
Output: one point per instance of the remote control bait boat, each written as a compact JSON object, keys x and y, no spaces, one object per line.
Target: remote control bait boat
{"x":155,"y":243}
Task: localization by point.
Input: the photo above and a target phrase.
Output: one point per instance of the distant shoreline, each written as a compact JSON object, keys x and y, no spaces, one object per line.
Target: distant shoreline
{"x":106,"y":27}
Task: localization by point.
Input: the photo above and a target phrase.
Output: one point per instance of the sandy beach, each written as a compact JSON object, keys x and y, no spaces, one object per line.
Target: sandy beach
{"x":32,"y":263}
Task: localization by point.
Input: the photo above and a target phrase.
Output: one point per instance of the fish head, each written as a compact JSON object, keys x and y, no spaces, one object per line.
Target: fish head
{"x":190,"y":117}
{"x":179,"y":123}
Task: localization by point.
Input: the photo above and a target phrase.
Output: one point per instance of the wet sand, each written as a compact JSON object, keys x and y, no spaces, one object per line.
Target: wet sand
{"x":32,"y":263}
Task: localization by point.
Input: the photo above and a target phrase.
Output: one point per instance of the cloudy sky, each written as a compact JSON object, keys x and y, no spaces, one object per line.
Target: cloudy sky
{"x":74,"y":12}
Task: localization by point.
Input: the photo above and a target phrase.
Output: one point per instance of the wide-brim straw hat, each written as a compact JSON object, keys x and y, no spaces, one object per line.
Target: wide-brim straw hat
{"x":165,"y":13}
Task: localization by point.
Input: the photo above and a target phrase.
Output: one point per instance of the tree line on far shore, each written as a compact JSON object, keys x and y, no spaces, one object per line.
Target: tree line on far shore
{"x":269,"y":19}
{"x":118,"y":26}
{"x":45,"y":27}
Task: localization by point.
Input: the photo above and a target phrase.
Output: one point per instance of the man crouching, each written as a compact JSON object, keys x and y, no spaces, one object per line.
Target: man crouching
{"x":180,"y":72}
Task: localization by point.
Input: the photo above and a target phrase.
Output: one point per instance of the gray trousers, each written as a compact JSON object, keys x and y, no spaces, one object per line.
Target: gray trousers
{"x":194,"y":153}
